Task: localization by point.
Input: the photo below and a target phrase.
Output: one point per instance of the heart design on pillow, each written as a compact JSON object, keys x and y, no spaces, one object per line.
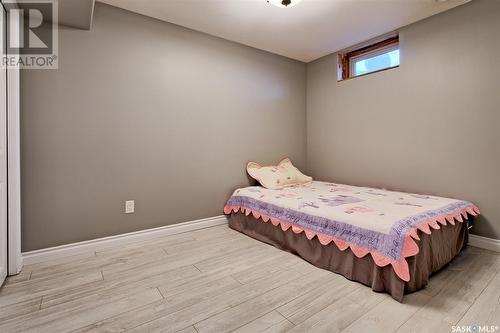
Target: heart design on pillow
{"x":277,"y":177}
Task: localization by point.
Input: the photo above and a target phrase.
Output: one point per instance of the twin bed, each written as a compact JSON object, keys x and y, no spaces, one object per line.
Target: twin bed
{"x":391,"y":241}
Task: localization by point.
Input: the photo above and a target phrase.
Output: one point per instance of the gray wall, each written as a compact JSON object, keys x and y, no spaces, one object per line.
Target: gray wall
{"x":430,"y":126}
{"x":142,"y":109}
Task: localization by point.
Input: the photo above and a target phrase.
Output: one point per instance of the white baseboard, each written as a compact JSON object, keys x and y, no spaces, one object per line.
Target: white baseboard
{"x":484,"y":243}
{"x":90,"y":246}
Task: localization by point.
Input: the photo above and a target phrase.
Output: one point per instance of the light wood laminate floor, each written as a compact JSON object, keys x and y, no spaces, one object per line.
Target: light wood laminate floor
{"x":218,"y":280}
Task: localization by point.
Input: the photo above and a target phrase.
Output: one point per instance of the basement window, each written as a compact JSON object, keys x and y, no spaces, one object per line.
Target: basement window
{"x":370,"y":57}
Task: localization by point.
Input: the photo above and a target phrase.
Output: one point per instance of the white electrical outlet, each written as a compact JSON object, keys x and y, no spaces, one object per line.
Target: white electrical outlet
{"x":129,"y":206}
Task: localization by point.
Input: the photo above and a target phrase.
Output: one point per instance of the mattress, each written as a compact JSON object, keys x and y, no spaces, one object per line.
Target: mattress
{"x":386,"y":228}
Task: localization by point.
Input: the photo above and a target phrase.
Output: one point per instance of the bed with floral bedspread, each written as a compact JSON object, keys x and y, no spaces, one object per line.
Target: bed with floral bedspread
{"x":380,"y":223}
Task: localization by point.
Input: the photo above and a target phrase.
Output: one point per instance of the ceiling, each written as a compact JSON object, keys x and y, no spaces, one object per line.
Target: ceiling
{"x":307,"y":31}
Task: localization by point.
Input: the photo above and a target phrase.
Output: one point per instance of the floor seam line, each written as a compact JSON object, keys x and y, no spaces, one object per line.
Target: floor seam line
{"x":475,"y":299}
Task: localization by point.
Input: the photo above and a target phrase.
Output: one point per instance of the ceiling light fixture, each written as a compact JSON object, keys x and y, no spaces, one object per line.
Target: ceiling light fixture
{"x":284,"y":3}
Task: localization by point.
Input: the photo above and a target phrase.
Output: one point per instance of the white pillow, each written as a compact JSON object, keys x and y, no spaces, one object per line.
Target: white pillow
{"x":276,"y":177}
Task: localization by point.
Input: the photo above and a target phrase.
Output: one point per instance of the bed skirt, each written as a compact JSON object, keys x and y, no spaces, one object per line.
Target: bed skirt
{"x":435,"y":251}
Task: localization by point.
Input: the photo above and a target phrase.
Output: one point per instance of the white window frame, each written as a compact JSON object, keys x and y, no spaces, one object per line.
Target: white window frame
{"x":368,"y":55}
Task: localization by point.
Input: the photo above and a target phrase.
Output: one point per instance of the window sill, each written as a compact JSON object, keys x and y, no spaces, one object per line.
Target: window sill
{"x":361,"y":75}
